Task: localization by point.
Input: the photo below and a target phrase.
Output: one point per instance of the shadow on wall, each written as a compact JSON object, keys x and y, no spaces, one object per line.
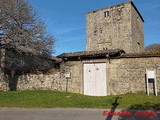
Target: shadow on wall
{"x":12,"y":81}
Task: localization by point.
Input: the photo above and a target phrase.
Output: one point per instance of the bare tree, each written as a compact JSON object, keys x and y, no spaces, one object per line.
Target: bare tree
{"x":23,"y":29}
{"x":153,"y":46}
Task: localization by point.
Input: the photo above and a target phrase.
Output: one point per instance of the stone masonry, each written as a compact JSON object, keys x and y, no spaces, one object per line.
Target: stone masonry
{"x":127,"y":75}
{"x":124,"y":75}
{"x":111,"y":27}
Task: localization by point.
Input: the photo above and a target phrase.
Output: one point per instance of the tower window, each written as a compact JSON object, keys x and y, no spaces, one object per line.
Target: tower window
{"x":138,"y":46}
{"x":95,"y":32}
{"x":100,"y":30}
{"x":106,"y":14}
{"x":138,"y":43}
{"x":105,"y":48}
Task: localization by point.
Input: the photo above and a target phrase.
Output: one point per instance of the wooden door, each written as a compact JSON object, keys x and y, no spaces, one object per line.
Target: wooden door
{"x":95,"y":79}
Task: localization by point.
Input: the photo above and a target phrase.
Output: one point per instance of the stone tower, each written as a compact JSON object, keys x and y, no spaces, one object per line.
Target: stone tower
{"x":115,"y":27}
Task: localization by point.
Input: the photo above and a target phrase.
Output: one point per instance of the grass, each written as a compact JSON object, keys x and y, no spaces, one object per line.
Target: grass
{"x":55,"y":99}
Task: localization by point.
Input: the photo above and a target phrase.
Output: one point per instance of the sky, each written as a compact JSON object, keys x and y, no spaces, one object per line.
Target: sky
{"x":66,"y":20}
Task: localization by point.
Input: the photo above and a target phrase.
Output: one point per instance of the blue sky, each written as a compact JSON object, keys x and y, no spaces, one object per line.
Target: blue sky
{"x":65,"y":20}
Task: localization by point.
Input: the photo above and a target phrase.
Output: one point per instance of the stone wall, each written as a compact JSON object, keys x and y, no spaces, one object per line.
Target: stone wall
{"x":74,"y":83}
{"x":127,"y":75}
{"x":124,"y":75}
{"x":20,"y":70}
{"x":53,"y":79}
{"x":32,"y":81}
{"x":137,"y":30}
{"x":40,"y":81}
{"x":3,"y":84}
{"x":122,"y":25}
{"x":2,"y":78}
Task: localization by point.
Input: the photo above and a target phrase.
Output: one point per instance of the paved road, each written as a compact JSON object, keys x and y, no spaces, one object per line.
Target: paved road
{"x":51,"y":114}
{"x":64,"y":114}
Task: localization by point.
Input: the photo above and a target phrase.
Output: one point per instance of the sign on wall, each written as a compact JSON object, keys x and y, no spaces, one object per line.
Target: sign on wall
{"x":151,"y":75}
{"x":67,"y":74}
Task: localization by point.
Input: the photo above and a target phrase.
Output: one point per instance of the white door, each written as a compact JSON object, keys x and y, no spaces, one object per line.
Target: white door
{"x":95,"y":79}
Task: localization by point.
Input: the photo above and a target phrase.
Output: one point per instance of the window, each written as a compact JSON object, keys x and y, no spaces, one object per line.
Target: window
{"x":106,"y":14}
{"x":95,"y":32}
{"x":105,"y":48}
{"x":101,"y":30}
{"x":138,"y":46}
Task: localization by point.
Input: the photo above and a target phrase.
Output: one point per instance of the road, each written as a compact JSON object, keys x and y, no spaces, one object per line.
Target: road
{"x":51,"y":114}
{"x":65,"y":114}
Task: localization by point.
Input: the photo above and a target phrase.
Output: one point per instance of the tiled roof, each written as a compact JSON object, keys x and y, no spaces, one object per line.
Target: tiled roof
{"x":113,"y":53}
{"x":148,"y":53}
{"x":26,"y":51}
{"x":86,"y":54}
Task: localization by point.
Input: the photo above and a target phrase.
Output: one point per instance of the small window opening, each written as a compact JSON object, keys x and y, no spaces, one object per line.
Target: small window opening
{"x":106,"y":14}
{"x":101,"y":30}
{"x":105,"y":48}
{"x":138,"y":46}
{"x":94,"y":12}
{"x":95,"y":32}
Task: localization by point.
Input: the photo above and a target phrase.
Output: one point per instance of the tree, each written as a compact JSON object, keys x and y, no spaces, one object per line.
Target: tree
{"x":23,"y":29}
{"x":153,"y":46}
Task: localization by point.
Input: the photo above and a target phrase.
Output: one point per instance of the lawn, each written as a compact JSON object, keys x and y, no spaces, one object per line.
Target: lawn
{"x":55,"y":99}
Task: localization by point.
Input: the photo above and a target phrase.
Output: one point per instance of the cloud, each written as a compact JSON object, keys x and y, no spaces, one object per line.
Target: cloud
{"x":74,"y":39}
{"x":69,"y":29}
{"x":49,"y":22}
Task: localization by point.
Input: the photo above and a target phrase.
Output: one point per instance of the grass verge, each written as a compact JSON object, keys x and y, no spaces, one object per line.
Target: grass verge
{"x":55,"y":99}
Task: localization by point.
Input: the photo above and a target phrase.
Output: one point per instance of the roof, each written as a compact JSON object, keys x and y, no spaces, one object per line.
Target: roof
{"x":120,"y":5}
{"x":148,"y":53}
{"x":111,"y":54}
{"x":92,"y":54}
{"x":57,"y":60}
{"x":26,"y":51}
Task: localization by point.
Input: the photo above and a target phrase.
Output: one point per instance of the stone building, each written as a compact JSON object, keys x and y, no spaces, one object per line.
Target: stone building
{"x":110,"y":72}
{"x":114,"y":62}
{"x":110,"y":28}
